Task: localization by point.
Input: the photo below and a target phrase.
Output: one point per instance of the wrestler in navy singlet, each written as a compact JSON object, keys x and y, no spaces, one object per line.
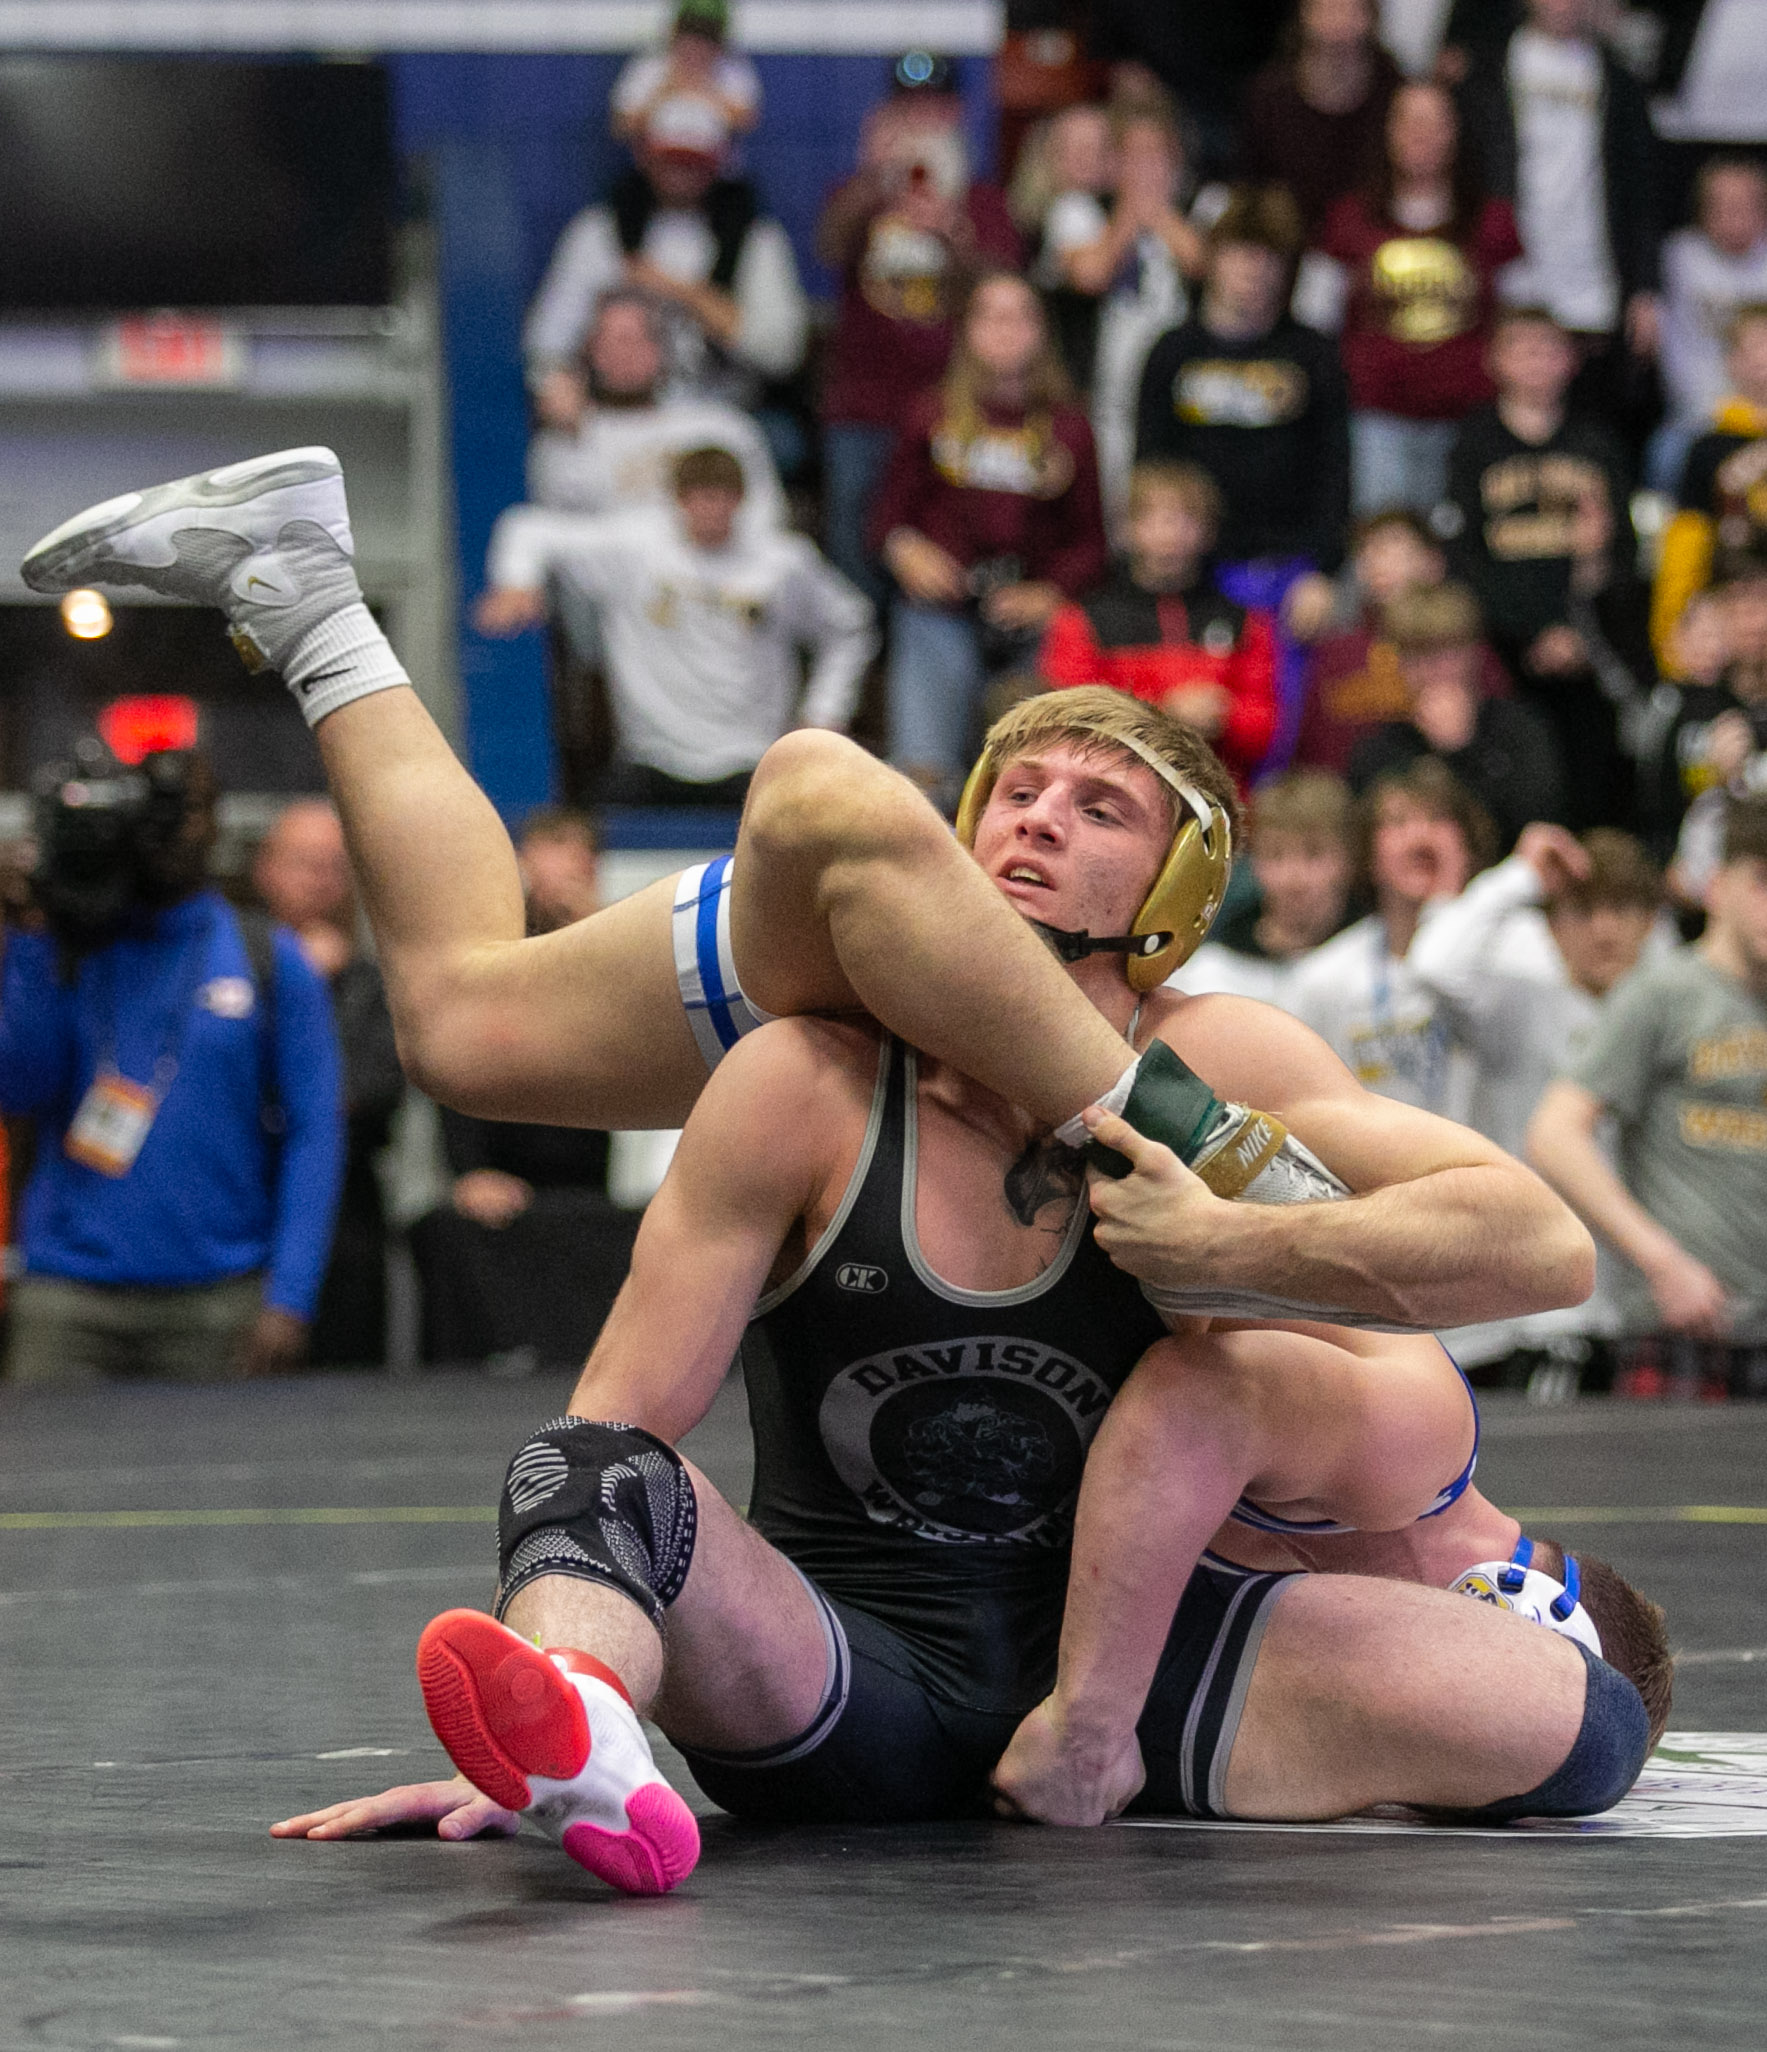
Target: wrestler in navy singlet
{"x":920,"y":1446}
{"x":918,"y":1454}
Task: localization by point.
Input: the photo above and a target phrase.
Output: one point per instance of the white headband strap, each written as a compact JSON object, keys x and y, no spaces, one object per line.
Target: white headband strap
{"x":1205,"y":810}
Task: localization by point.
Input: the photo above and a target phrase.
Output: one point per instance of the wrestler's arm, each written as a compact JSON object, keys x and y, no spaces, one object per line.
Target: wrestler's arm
{"x":1444,"y":1229}
{"x":1309,"y":1421}
{"x":728,"y":1215}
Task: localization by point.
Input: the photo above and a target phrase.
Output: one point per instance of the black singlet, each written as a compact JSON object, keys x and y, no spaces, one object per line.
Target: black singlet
{"x":919,"y":1446}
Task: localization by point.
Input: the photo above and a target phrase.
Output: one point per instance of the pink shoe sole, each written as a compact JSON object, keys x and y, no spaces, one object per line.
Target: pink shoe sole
{"x":656,"y":1854}
{"x":499,"y":1706}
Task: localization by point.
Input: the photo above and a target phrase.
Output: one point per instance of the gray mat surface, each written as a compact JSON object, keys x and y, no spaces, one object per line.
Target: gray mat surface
{"x":167,"y":1688}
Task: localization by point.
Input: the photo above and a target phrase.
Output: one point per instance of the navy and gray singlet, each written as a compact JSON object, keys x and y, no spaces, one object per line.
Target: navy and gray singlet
{"x":920,"y":1446}
{"x":919,"y":1450}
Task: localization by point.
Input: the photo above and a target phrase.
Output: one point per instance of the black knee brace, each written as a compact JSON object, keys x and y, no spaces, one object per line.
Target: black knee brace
{"x":606,"y":1503}
{"x":1612,"y":1745}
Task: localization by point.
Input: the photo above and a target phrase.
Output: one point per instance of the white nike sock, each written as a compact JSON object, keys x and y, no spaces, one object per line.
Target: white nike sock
{"x":1072,"y":1132}
{"x":346,"y":657}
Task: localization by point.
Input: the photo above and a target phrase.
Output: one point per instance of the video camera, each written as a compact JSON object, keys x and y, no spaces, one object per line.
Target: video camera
{"x":108,"y":839}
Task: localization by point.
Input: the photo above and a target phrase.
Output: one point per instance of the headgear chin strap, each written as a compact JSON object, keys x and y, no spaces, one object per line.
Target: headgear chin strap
{"x":1186,"y":894}
{"x":1069,"y":946}
{"x":1516,"y":1584}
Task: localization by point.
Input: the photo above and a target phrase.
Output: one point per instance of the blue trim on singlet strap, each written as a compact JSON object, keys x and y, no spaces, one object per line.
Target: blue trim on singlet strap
{"x":711,"y":975}
{"x":1245,"y":1512}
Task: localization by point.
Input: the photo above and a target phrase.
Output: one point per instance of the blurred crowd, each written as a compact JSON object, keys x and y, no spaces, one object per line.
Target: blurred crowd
{"x":1325,"y":374}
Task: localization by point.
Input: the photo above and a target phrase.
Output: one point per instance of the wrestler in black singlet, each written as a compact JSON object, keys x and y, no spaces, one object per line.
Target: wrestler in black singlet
{"x":918,"y":1455}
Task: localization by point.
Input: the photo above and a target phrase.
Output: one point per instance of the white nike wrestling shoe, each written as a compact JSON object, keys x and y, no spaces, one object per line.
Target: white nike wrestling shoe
{"x":266,"y":541}
{"x":553,"y":1735}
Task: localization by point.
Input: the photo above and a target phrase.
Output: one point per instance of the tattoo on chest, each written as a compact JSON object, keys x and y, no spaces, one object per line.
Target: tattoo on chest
{"x":1046,"y":1173}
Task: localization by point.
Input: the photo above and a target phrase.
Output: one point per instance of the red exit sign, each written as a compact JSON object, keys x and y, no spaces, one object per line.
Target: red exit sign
{"x":171,"y":350}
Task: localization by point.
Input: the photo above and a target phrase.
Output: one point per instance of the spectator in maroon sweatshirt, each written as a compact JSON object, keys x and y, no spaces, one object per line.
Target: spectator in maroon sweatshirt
{"x":1419,"y":252}
{"x":1159,"y":629}
{"x":907,"y":233}
{"x":987,"y":518}
{"x":1312,"y":119}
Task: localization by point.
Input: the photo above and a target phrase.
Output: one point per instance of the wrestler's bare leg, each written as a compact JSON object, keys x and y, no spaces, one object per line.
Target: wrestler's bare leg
{"x":1313,"y":1424}
{"x":1363,"y":1692}
{"x":584,"y":1026}
{"x":1388,"y":1692}
{"x":849,"y":890}
{"x":745,"y":1662}
{"x":850,"y":893}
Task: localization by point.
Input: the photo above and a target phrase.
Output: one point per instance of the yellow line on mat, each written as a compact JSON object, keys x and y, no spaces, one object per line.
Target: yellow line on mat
{"x":1649,"y":1514}
{"x":346,"y":1514}
{"x":485,"y":1514}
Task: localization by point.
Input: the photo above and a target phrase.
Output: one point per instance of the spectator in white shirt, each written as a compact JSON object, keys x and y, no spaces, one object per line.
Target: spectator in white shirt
{"x":1518,"y":965}
{"x":628,"y":429}
{"x":696,"y":59}
{"x":1563,"y":129}
{"x":1710,"y":272}
{"x":694,"y":238}
{"x":1136,"y":261}
{"x":1424,"y":837}
{"x":703,"y":620}
{"x":1302,"y":855}
{"x":620,"y":455}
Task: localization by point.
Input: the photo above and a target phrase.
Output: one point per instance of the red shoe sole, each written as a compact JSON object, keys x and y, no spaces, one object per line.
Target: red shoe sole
{"x":499,"y":1706}
{"x":656,"y":1854}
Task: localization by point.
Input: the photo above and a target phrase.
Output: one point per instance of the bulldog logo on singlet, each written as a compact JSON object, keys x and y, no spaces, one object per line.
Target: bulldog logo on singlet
{"x":981,"y":1440}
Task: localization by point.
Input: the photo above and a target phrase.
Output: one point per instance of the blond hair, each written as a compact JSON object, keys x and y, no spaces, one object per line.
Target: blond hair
{"x":1305,"y":801}
{"x":1096,"y":719}
{"x":1265,"y":216}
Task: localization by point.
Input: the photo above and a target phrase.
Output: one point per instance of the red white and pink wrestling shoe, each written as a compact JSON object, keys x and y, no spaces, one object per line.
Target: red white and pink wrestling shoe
{"x":554,"y":1735}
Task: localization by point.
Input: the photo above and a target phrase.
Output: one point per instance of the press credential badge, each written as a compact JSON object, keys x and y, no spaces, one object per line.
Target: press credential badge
{"x":114,"y":1119}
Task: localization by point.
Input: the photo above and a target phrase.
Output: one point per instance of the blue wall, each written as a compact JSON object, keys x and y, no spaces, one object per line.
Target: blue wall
{"x":505,"y":149}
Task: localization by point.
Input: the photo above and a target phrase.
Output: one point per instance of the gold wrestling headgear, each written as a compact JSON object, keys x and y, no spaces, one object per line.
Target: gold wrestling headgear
{"x":1186,"y":895}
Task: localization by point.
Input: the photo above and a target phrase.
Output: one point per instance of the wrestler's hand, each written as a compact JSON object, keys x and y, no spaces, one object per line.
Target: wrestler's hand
{"x":455,"y":1808}
{"x":1159,"y":1222}
{"x":1053,"y":1774}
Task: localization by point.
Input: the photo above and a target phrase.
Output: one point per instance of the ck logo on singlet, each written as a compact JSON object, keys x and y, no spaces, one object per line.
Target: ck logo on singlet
{"x":854,"y":1275}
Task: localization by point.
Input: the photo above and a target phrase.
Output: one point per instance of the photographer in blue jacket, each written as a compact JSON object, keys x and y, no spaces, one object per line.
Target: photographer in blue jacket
{"x":181,"y":1066}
